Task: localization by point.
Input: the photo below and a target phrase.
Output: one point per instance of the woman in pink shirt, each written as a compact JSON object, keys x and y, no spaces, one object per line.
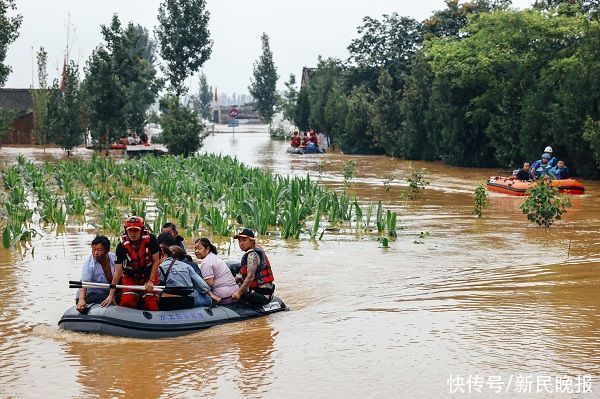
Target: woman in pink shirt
{"x":214,"y":271}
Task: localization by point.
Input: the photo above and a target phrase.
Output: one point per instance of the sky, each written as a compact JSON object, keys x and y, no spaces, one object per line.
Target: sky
{"x":299,"y":31}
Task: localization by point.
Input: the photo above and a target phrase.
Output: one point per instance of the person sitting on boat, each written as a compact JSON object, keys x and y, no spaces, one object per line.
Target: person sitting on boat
{"x":553,"y":160}
{"x":305,"y":140}
{"x":137,"y":263}
{"x":257,"y":279}
{"x":523,"y":174}
{"x":560,"y":171}
{"x":99,"y":267}
{"x":177,"y":274}
{"x":171,"y":229}
{"x":144,"y":139}
{"x":295,"y":140}
{"x":214,"y":271}
{"x":313,"y":138}
{"x":541,"y":167}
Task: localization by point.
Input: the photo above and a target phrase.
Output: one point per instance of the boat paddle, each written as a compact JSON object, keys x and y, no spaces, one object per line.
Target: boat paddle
{"x":157,"y":288}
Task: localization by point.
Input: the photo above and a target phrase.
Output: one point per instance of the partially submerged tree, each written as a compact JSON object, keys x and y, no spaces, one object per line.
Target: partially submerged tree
{"x":64,"y":110}
{"x":185,"y":45}
{"x":181,"y":127}
{"x":263,"y":85}
{"x":289,"y":98}
{"x":40,"y":98}
{"x":203,"y":100}
{"x":120,"y":82}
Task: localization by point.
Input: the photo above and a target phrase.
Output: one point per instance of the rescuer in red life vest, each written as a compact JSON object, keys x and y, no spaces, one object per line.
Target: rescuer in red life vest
{"x":305,"y":140}
{"x":313,"y":138}
{"x":257,"y":277}
{"x":295,"y":140}
{"x":137,"y":262}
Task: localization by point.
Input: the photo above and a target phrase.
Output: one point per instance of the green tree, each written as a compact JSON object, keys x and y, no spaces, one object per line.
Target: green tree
{"x":414,"y":141}
{"x":335,"y":113}
{"x":329,"y":72}
{"x":263,"y":85}
{"x":302,"y":110}
{"x":358,"y":136}
{"x":386,"y":114}
{"x":184,"y":39}
{"x":120,"y":82}
{"x":40,"y":97}
{"x":181,"y":127}
{"x":203,"y":101}
{"x":9,"y":31}
{"x":64,"y":111}
{"x":450,"y":22}
{"x":389,"y":43}
{"x":289,"y":99}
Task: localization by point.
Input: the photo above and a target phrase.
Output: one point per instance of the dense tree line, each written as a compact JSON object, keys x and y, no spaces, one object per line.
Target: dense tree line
{"x":476,"y":84}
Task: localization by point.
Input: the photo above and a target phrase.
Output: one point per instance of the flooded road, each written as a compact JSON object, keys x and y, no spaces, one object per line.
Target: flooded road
{"x":494,"y":299}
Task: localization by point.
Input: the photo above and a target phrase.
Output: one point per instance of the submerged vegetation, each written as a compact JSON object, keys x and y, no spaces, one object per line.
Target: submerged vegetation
{"x":480,"y":199}
{"x":209,"y":193}
{"x":545,"y":204}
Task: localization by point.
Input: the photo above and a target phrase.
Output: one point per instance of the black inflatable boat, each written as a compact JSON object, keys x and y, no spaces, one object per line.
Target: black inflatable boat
{"x":126,"y":322}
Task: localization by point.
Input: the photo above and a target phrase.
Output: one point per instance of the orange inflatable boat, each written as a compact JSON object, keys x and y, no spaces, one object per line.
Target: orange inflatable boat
{"x":512,"y":186}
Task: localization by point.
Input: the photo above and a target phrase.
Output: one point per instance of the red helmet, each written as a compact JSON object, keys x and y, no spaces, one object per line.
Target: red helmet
{"x":134,"y":222}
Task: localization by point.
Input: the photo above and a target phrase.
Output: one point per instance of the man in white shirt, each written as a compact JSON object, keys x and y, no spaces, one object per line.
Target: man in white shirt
{"x":99,"y":267}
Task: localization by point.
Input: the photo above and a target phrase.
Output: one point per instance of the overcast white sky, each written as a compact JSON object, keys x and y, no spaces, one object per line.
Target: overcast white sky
{"x":300,"y":31}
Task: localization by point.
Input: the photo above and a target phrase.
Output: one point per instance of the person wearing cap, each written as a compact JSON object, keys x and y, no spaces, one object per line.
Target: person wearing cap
{"x":541,"y":167}
{"x":553,"y":160}
{"x":171,"y":229}
{"x":257,"y":286}
{"x":136,"y":264}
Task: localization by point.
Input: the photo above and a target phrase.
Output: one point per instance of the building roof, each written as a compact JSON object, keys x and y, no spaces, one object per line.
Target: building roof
{"x":19,"y":100}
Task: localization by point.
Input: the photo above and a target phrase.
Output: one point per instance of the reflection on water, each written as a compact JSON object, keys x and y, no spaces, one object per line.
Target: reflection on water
{"x":489,"y":296}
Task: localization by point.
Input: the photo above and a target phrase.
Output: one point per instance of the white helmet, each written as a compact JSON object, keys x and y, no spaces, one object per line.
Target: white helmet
{"x":548,"y":149}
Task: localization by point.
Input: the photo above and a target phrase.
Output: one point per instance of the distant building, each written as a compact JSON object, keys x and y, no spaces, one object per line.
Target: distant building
{"x":21,"y":130}
{"x":307,"y":73}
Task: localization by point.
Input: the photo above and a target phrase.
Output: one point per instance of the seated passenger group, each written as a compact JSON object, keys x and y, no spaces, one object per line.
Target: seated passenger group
{"x":547,"y":165}
{"x":305,"y":141}
{"x":143,"y":259}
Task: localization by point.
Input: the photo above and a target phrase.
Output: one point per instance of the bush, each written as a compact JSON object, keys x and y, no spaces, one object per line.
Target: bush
{"x":417,"y":181}
{"x":480,"y":199}
{"x":545,"y":204}
{"x":278,"y":132}
{"x":348,"y":172}
{"x":181,"y":127}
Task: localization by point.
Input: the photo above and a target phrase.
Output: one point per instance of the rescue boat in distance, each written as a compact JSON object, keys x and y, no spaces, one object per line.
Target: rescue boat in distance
{"x":512,"y":186}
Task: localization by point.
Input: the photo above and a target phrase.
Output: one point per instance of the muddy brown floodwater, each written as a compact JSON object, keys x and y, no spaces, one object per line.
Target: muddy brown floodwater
{"x":490,"y":304}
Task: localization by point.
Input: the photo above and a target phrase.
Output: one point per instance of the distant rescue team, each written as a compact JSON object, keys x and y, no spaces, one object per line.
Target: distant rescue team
{"x":142,"y":259}
{"x":547,"y":166}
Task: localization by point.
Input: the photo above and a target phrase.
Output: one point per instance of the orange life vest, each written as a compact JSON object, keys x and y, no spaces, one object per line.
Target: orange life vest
{"x":139,"y":262}
{"x":264,"y":274}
